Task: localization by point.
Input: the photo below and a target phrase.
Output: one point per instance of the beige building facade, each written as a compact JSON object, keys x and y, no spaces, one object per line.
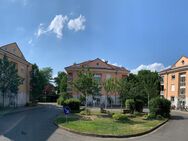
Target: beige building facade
{"x":102,"y":70}
{"x":15,"y":55}
{"x":174,"y":85}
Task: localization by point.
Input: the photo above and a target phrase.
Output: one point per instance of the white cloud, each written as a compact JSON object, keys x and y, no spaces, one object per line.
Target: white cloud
{"x":77,"y":24}
{"x":152,"y":67}
{"x":40,"y":30}
{"x":115,"y":64}
{"x":56,"y":26}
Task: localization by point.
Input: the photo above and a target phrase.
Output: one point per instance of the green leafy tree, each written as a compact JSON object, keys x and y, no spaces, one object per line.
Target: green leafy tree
{"x":35,"y":83}
{"x":109,"y":87}
{"x":151,"y":83}
{"x":46,"y":75}
{"x":61,"y":82}
{"x":86,"y":84}
{"x":39,"y":80}
{"x":9,"y":79}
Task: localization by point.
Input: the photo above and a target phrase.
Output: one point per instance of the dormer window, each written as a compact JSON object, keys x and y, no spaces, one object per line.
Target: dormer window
{"x":183,"y":62}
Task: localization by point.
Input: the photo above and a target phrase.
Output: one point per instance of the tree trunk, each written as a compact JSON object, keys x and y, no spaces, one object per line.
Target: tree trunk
{"x":115,"y":98}
{"x":86,"y":102}
{"x":106,"y":101}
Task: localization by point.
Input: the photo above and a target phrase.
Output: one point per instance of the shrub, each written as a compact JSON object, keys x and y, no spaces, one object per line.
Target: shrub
{"x":130,"y":105}
{"x":120,"y":117}
{"x":60,"y":100}
{"x":139,"y":104}
{"x":63,"y":96}
{"x":86,"y":112}
{"x":160,"y":106}
{"x":150,"y":116}
{"x":159,"y":117}
{"x":73,"y":104}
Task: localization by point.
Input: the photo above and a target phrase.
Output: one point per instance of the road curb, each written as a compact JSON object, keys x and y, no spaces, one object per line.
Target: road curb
{"x":19,"y":111}
{"x":113,"y":136}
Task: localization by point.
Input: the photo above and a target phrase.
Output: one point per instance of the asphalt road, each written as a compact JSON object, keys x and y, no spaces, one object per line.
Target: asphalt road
{"x":37,"y":125}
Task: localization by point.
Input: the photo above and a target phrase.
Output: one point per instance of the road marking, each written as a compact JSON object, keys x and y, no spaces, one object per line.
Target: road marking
{"x":14,"y":125}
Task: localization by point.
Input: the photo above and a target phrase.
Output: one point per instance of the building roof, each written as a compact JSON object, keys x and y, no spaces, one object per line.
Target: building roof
{"x":9,"y":48}
{"x":177,"y":66}
{"x":89,"y":62}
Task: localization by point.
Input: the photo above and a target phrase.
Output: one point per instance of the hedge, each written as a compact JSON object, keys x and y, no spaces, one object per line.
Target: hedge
{"x":160,"y":106}
{"x":73,"y":104}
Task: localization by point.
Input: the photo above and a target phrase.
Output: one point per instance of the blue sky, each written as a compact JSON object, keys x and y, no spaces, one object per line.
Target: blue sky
{"x":136,"y":34}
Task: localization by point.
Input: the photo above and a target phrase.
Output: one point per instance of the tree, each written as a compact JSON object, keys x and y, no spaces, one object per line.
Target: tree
{"x":46,"y":74}
{"x":86,"y":84}
{"x":108,"y":87}
{"x":151,"y":83}
{"x":61,"y":82}
{"x":131,"y":88}
{"x":36,"y":83}
{"x":39,"y":79}
{"x":9,"y":79}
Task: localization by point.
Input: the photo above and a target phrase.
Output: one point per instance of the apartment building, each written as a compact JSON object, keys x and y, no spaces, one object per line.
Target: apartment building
{"x":174,"y":83}
{"x":15,"y":55}
{"x":102,"y":70}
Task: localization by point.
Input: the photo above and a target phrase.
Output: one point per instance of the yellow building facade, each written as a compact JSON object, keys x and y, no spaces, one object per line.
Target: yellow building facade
{"x":15,"y":55}
{"x":174,"y":85}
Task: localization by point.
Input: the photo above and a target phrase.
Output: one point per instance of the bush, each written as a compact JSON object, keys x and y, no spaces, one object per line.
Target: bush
{"x":160,"y":106}
{"x":120,"y":117}
{"x":150,"y":116}
{"x":73,"y":104}
{"x":159,"y":117}
{"x":60,"y":100}
{"x":63,"y":96}
{"x":130,"y":105}
{"x":139,"y":104}
{"x":86,"y":112}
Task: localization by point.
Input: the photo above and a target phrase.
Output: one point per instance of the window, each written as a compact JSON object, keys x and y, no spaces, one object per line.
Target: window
{"x":97,"y":77}
{"x":162,"y":87}
{"x":182,"y":91}
{"x":97,"y":64}
{"x":173,"y":77}
{"x":183,"y":62}
{"x":162,"y":80}
{"x":173,"y":88}
{"x":172,"y":98}
{"x":182,"y":79}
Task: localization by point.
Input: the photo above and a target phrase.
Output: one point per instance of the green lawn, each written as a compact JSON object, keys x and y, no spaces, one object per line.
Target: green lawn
{"x":106,"y":125}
